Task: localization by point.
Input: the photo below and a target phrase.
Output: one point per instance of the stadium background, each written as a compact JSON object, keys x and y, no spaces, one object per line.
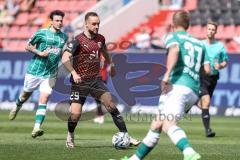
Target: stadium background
{"x":121,"y":21}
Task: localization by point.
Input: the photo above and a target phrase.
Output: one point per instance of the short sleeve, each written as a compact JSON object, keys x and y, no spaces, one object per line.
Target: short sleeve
{"x":35,"y":38}
{"x":72,"y":46}
{"x":170,"y":40}
{"x":223,"y":55}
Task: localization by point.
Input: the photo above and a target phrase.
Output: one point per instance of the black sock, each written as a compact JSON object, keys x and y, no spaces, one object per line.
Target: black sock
{"x":71,"y":125}
{"x":99,"y":108}
{"x":206,"y":118}
{"x":118,"y":120}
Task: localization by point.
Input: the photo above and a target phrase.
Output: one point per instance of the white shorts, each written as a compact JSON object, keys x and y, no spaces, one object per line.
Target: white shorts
{"x":32,"y":82}
{"x":173,"y":104}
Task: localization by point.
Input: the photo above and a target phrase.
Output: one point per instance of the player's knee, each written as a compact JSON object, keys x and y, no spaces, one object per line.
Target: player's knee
{"x":205,"y":102}
{"x":156,"y":125}
{"x":167,"y":125}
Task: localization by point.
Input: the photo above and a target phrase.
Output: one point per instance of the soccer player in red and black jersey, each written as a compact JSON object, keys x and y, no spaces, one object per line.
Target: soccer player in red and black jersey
{"x":85,"y":51}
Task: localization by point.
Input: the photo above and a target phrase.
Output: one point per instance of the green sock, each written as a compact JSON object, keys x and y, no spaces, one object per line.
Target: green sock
{"x":40,"y":115}
{"x":148,"y":143}
{"x":179,"y":138}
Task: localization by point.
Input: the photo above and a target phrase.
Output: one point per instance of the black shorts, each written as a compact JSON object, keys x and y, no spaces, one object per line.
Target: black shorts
{"x":95,"y":87}
{"x":208,"y":84}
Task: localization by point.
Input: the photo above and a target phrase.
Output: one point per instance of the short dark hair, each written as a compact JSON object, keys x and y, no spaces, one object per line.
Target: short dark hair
{"x":181,"y":18}
{"x":56,"y":12}
{"x":89,"y":14}
{"x":213,"y":23}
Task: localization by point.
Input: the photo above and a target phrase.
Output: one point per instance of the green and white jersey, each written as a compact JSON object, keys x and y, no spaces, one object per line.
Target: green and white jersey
{"x":216,"y":53}
{"x":190,"y":59}
{"x":45,"y":39}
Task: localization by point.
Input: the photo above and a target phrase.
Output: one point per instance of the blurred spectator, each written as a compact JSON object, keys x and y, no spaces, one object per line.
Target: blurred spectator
{"x":142,"y":39}
{"x":9,"y":12}
{"x":27,"y":5}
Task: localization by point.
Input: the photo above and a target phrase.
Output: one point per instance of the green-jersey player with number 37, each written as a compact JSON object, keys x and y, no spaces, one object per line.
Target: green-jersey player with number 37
{"x":180,"y":88}
{"x":47,"y":46}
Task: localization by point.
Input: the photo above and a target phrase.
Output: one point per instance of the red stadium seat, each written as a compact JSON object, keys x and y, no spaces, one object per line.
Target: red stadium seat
{"x":197,"y":31}
{"x":24,"y":32}
{"x":4,"y":32}
{"x":220,"y":32}
{"x":22,"y":19}
{"x":190,"y":4}
{"x":229,"y":32}
{"x":13,"y":32}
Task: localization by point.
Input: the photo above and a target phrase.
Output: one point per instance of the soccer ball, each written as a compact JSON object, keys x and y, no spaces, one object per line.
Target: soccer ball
{"x":121,"y":140}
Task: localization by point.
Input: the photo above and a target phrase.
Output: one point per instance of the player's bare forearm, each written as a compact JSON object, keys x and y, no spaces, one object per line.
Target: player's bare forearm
{"x":67,"y":62}
{"x":32,"y":49}
{"x":106,"y":55}
{"x":171,"y":61}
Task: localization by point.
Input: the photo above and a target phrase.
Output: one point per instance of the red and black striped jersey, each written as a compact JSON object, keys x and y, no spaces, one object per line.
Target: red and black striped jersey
{"x":86,"y":54}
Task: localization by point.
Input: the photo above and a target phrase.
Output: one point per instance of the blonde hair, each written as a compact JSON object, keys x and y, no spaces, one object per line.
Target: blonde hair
{"x":181,"y":18}
{"x":213,"y":23}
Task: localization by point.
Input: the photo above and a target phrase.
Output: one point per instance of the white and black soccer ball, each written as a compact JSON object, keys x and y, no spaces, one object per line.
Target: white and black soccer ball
{"x":121,"y":140}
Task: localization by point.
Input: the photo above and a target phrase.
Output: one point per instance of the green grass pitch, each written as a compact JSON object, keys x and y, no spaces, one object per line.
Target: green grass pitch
{"x":93,"y":141}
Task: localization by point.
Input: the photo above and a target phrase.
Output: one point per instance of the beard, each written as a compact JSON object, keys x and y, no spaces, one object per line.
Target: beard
{"x":92,"y":32}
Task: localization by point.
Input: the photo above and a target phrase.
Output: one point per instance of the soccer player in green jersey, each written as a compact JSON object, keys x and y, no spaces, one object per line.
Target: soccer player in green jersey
{"x":47,"y":45}
{"x":180,"y":87}
{"x":218,"y":59}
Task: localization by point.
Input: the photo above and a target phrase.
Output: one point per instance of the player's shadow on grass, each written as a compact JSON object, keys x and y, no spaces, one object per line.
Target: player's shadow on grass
{"x":98,"y":146}
{"x":63,"y":139}
{"x":104,"y":146}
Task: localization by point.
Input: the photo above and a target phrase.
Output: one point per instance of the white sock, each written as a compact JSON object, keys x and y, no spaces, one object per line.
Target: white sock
{"x":179,"y":138}
{"x":151,"y":138}
{"x":188,"y":150}
{"x":37,"y":125}
{"x":134,"y":157}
